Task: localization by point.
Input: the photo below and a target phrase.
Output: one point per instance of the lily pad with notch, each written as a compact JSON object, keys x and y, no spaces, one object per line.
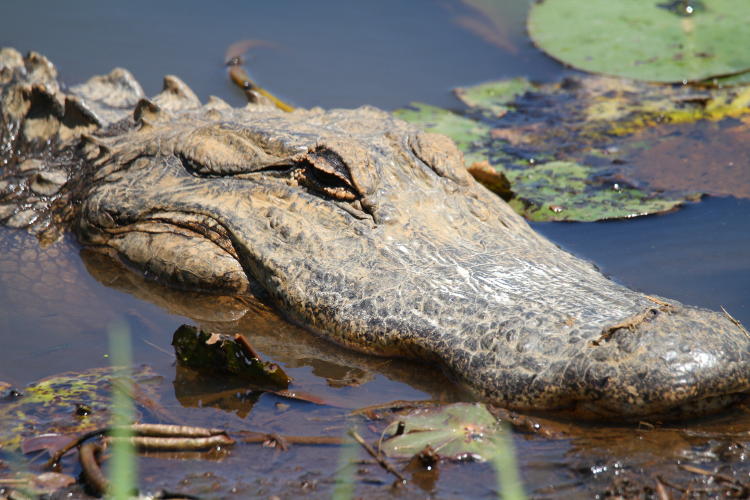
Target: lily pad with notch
{"x":652,"y":40}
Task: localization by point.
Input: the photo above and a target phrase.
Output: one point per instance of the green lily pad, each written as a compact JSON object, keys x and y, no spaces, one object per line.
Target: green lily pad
{"x":458,"y":432}
{"x":68,"y":403}
{"x":494,"y":97}
{"x":738,"y":79}
{"x":653,"y":40}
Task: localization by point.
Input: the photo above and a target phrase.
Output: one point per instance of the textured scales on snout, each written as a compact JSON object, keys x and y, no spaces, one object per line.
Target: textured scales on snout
{"x":359,"y":226}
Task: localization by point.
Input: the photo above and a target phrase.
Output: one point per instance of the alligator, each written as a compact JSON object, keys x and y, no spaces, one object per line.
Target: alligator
{"x":361,"y":228}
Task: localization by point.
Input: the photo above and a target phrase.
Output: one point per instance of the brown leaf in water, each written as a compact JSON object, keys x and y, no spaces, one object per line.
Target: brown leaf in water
{"x":214,"y":338}
{"x":50,"y":443}
{"x":517,"y":136}
{"x":492,"y":179}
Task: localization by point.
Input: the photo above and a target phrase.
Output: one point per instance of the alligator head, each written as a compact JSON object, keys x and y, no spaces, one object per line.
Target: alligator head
{"x":370,"y":232}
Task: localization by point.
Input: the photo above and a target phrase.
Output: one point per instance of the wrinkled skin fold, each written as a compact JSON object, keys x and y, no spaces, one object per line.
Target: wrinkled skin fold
{"x":360,"y":227}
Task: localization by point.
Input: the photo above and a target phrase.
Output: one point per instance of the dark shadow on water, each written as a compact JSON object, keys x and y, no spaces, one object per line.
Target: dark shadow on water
{"x":276,"y":339}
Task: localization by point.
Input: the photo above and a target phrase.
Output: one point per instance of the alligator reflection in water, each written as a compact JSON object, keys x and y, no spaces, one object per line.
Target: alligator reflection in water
{"x":273,"y":337}
{"x":363,"y":229}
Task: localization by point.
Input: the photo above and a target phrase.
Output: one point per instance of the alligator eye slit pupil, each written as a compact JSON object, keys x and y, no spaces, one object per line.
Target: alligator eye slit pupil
{"x":324,"y":180}
{"x":191,"y":166}
{"x":332,"y":159}
{"x":277,"y":168}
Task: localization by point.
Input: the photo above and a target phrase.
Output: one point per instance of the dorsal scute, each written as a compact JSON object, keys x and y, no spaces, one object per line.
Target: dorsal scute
{"x":39,"y":70}
{"x":110,"y":97}
{"x":176,"y":96}
{"x":146,"y":112}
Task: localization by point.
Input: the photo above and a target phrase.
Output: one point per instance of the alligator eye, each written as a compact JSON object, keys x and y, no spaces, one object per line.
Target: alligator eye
{"x":324,"y":171}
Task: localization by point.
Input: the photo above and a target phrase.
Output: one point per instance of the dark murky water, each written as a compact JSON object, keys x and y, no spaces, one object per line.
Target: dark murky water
{"x":54,"y":317}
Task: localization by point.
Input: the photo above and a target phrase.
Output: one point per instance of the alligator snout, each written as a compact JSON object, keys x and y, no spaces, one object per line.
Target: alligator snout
{"x":593,"y":347}
{"x":671,"y":359}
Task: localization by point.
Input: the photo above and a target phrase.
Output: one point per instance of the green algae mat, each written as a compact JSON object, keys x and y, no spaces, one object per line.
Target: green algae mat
{"x":663,"y":119}
{"x":66,"y":404}
{"x":579,"y":149}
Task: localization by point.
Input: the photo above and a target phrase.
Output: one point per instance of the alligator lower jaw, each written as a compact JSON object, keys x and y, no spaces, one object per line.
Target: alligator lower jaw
{"x":194,"y":252}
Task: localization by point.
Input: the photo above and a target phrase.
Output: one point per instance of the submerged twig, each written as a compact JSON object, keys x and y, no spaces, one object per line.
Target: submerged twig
{"x":89,"y":457}
{"x":378,"y":458}
{"x":661,"y":491}
{"x":394,"y":406}
{"x":304,"y":396}
{"x":670,"y":484}
{"x":54,"y":459}
{"x":156,"y":437}
{"x":153,"y":443}
{"x":159,"y":348}
{"x":703,"y":472}
{"x":736,"y":322}
{"x":173,"y":430}
{"x":262,"y":437}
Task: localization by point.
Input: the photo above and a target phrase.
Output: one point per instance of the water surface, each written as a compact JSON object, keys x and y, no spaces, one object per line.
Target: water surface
{"x":332,"y":54}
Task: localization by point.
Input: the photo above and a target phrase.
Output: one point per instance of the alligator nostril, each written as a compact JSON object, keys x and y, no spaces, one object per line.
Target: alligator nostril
{"x":105,"y":220}
{"x":602,"y":382}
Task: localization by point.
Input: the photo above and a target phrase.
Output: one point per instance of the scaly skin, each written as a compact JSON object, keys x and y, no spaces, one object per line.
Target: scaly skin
{"x":370,"y":233}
